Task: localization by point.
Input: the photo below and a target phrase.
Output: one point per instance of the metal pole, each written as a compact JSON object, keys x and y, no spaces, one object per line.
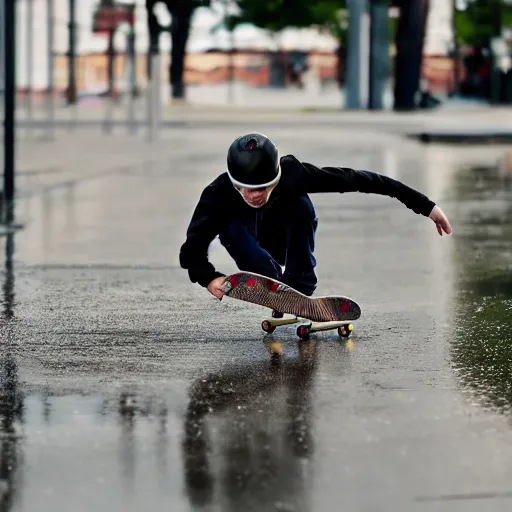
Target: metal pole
{"x":110,"y":92}
{"x":156,"y":84}
{"x":371,"y":72}
{"x":133,"y":39}
{"x":111,"y":55}
{"x":379,"y":54}
{"x":149,"y":102}
{"x":50,"y":132}
{"x":30,"y":63}
{"x":153,"y":96}
{"x":132,"y":84}
{"x":456,"y":57}
{"x":2,"y":49}
{"x":231,"y":68}
{"x":9,"y":29}
{"x":71,"y":96}
{"x":353,"y":79}
{"x":365,"y":54}
{"x":153,"y":92}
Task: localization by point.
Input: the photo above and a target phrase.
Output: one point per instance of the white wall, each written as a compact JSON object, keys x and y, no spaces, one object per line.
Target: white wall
{"x":439,"y":37}
{"x":86,"y":41}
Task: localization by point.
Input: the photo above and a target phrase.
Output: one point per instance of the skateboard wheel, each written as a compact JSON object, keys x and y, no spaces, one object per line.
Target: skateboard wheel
{"x":345,"y":330}
{"x":303,"y":332}
{"x":267,"y":326}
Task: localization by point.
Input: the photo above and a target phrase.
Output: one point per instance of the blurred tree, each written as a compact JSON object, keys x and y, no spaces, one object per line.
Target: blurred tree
{"x":331,"y":16}
{"x":277,"y":15}
{"x":478,"y":21}
{"x":328,"y":16}
{"x":181,"y":12}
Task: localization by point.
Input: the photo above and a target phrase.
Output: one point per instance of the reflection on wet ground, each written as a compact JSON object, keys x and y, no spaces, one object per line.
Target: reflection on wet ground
{"x":11,"y":437}
{"x":245,"y":440}
{"x":482,"y":349}
{"x":125,"y":388}
{"x":261,"y":417}
{"x":11,"y":396}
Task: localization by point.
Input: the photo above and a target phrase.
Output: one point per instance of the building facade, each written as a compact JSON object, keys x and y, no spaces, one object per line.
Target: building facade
{"x":33,"y":69}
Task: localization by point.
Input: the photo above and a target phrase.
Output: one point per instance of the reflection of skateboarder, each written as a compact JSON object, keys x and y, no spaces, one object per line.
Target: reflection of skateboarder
{"x":261,"y":210}
{"x":246,"y":404}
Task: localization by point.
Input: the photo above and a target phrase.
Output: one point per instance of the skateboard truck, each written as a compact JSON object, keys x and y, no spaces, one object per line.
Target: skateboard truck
{"x":343,"y":327}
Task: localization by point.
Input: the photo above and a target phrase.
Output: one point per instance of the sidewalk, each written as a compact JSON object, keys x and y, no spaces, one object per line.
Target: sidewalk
{"x":209,"y":106}
{"x":85,"y":148}
{"x":87,"y":153}
{"x":82,"y":149}
{"x":87,"y":161}
{"x":447,"y":123}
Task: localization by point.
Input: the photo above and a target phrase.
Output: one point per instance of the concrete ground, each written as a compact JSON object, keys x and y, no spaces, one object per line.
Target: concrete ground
{"x":454,"y":120}
{"x":125,"y":387}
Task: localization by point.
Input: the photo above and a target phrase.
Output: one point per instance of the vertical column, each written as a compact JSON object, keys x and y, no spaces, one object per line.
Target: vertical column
{"x":379,"y":53}
{"x":409,"y":43}
{"x":357,"y":54}
{"x":154,"y":75}
{"x":231,"y":67}
{"x":9,"y":30}
{"x":132,"y":80}
{"x":109,"y":100}
{"x":2,"y":48}
{"x":30,"y":62}
{"x":72,"y":53}
{"x":50,"y":100}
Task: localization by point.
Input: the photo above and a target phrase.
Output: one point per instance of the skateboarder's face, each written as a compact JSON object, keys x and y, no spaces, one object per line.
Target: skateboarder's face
{"x":255,"y":197}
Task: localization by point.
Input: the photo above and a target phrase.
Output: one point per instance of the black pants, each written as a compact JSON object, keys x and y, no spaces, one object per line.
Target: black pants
{"x":285,"y":240}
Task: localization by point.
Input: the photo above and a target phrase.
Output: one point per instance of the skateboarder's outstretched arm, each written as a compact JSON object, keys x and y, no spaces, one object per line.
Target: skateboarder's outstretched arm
{"x":343,"y":179}
{"x":203,"y":228}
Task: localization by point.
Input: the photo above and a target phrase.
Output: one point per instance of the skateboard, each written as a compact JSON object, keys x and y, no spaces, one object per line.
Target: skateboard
{"x":314,"y":314}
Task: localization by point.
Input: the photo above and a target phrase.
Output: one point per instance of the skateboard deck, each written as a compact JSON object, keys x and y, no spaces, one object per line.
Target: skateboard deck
{"x":319,"y":313}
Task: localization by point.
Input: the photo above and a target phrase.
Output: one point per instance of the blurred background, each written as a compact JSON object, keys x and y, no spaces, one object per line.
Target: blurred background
{"x":337,"y":53}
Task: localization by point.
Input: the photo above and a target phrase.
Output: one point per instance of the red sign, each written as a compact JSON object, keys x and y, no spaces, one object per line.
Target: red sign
{"x":108,"y":18}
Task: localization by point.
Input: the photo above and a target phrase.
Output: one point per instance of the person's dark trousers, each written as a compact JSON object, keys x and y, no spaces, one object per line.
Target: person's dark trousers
{"x":285,"y":240}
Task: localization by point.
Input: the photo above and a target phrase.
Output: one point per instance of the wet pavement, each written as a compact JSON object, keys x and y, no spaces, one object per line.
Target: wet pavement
{"x":125,"y":387}
{"x":455,"y":120}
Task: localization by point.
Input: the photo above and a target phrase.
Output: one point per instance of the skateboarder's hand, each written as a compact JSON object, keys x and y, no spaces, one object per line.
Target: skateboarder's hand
{"x":441,"y":221}
{"x":216,"y":287}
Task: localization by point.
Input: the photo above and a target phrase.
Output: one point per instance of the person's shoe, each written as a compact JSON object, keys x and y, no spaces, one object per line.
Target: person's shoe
{"x":277,"y":314}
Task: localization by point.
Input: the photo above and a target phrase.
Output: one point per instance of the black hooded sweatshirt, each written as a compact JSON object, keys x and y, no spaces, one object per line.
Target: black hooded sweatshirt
{"x":220,"y":202}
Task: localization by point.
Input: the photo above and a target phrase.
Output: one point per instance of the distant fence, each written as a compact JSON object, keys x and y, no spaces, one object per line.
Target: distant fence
{"x":43,"y":40}
{"x":253,"y":68}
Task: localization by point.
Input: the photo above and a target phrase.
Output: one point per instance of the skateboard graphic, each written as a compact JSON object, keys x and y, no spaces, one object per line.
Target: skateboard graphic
{"x":314,"y":314}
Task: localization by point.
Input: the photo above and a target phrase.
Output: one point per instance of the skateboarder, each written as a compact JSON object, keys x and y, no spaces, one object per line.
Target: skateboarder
{"x":261,"y":211}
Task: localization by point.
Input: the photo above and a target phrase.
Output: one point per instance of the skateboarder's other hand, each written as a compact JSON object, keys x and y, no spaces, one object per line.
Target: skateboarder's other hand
{"x":441,"y":221}
{"x":216,"y":287}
